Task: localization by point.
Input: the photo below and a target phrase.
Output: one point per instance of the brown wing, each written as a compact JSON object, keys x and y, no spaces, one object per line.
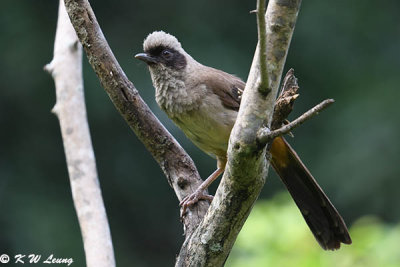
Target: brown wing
{"x":321,"y":216}
{"x":227,"y":87}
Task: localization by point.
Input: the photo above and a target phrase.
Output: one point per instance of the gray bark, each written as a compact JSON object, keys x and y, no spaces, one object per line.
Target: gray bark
{"x":211,"y":242}
{"x":176,"y":164}
{"x":66,"y":69}
{"x":247,"y":168}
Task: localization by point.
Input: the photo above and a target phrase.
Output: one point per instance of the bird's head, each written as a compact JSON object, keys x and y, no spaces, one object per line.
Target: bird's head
{"x":163,"y":51}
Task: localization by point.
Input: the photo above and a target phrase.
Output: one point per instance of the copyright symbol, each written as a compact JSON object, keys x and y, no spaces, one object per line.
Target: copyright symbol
{"x":4,"y":258}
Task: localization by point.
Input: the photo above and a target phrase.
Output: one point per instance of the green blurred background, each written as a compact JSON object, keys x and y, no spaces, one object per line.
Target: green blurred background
{"x":346,"y":50}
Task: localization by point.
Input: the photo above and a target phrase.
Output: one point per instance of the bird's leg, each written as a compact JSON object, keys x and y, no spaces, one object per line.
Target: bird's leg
{"x":199,"y":193}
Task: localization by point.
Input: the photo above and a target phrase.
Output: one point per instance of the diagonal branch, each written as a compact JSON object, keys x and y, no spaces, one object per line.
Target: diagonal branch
{"x":177,"y":166}
{"x":211,"y":242}
{"x":246,"y":169}
{"x":66,"y":69}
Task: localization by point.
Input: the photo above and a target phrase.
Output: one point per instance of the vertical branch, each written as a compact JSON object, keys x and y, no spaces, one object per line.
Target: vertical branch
{"x":246,"y":169}
{"x":178,"y":167}
{"x":262,"y":39}
{"x":66,"y":69}
{"x":211,"y":242}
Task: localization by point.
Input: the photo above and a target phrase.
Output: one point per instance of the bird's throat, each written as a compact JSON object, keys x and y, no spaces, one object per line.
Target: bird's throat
{"x":171,"y":93}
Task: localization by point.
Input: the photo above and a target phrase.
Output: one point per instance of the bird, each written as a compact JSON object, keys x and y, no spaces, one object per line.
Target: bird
{"x":204,"y":102}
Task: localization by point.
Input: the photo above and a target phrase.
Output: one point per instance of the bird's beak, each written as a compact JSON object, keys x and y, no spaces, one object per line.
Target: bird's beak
{"x":146,"y":58}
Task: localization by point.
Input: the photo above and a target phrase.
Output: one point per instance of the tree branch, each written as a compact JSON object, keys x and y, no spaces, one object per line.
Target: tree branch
{"x":177,"y":166}
{"x":246,"y":169}
{"x":265,"y":135}
{"x":262,"y":39}
{"x":66,"y":69}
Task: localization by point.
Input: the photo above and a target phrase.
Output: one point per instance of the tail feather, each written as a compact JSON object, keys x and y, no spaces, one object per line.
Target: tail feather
{"x":321,"y":216}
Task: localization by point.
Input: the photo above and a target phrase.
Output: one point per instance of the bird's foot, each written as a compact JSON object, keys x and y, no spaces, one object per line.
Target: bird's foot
{"x":192,"y":199}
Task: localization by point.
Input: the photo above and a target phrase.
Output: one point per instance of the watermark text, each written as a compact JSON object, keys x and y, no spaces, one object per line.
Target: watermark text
{"x":34,"y":259}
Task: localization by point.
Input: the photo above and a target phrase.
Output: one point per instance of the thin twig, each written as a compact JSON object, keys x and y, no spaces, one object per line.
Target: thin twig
{"x":262,"y":37}
{"x":265,"y":135}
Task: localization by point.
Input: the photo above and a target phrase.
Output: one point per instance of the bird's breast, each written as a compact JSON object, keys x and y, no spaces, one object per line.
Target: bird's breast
{"x":196,"y":110}
{"x":208,"y":126}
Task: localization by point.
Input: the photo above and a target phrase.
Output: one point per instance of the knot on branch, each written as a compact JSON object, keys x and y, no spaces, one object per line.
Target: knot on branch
{"x":283,"y":106}
{"x":285,"y":101}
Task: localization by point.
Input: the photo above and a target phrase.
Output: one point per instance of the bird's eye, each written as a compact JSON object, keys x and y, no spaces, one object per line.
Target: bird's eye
{"x":167,"y":54}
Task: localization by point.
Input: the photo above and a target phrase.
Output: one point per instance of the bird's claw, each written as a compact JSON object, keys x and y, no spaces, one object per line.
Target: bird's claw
{"x":192,"y":199}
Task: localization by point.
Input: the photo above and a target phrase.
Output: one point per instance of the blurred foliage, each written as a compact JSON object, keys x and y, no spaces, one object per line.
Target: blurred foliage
{"x":264,"y":241}
{"x":346,"y":50}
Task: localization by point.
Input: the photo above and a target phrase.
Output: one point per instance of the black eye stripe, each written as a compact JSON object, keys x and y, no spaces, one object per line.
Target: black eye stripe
{"x":156,"y":51}
{"x":176,"y":60}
